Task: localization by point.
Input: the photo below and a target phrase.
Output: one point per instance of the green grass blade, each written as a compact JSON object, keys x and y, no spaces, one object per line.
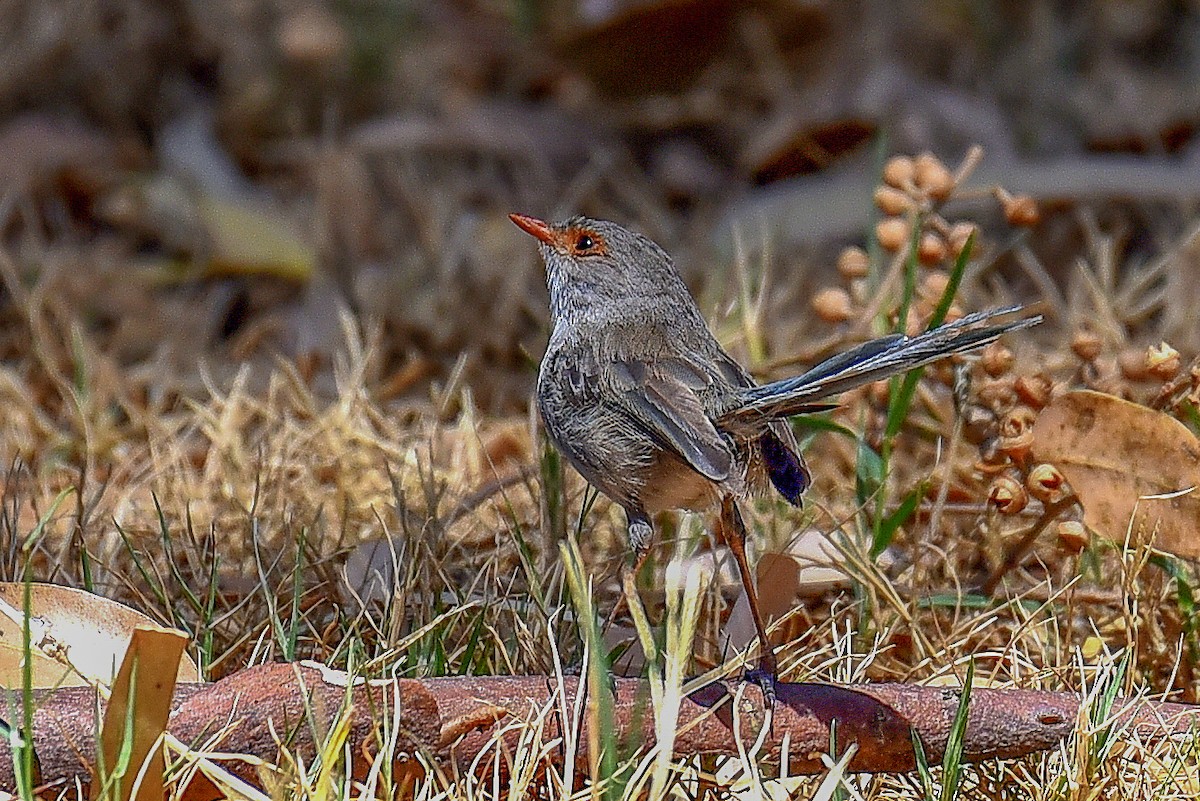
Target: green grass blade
{"x":956,"y":741}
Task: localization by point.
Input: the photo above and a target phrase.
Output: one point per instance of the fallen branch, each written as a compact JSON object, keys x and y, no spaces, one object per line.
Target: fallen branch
{"x":452,"y":720}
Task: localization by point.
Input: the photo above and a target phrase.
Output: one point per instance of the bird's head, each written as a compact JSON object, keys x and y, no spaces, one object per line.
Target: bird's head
{"x":591,"y":262}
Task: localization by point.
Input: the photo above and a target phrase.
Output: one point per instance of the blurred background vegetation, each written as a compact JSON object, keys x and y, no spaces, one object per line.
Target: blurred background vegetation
{"x":216,"y":178}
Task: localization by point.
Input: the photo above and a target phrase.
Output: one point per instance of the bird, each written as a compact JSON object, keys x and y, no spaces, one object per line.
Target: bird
{"x":635,"y":390}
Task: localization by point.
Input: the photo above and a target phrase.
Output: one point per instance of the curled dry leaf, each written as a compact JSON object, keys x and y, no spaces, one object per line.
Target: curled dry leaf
{"x":88,"y":631}
{"x":1126,"y":463}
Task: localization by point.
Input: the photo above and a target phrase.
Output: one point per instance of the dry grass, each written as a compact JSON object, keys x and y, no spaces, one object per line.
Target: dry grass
{"x":248,"y":497}
{"x":231,"y":512}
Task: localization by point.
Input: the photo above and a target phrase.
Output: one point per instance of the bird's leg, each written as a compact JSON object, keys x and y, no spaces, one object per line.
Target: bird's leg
{"x":641,"y":536}
{"x":733,"y":528}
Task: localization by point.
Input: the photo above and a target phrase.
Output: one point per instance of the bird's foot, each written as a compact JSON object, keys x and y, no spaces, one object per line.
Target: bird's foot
{"x":766,"y":680}
{"x":578,"y":670}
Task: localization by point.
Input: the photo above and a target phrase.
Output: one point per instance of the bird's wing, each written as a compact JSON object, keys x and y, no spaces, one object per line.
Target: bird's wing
{"x":662,"y":398}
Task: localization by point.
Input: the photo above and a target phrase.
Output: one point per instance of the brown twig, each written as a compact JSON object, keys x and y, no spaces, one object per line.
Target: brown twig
{"x":1018,"y":552}
{"x":452,"y":720}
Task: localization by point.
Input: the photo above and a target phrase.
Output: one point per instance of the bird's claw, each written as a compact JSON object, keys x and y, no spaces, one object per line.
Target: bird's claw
{"x":766,"y":681}
{"x":578,"y":670}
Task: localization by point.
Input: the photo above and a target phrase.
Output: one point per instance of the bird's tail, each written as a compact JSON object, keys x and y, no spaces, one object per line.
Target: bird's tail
{"x":870,"y":361}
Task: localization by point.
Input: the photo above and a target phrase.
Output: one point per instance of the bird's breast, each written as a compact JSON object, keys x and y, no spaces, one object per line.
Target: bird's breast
{"x":669,"y":483}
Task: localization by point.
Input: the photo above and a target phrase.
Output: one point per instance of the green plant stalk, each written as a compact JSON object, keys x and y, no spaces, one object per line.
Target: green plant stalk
{"x":111,"y":779}
{"x":553,"y":490}
{"x":903,"y":389}
{"x":599,"y":672}
{"x":293,"y":640}
{"x":269,"y":598}
{"x":208,"y":613}
{"x":152,"y":581}
{"x":1100,"y":718}
{"x":21,"y":742}
{"x":667,"y":667}
{"x":471,"y":663}
{"x":85,"y":559}
{"x":1185,"y":599}
{"x":923,"y":771}
{"x":525,"y":554}
{"x":193,"y":601}
{"x":956,"y":741}
{"x":749,"y":311}
{"x":1190,"y":414}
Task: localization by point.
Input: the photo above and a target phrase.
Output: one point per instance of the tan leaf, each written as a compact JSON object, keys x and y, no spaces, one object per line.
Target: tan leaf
{"x":1127,"y":464}
{"x":133,"y":765}
{"x":245,"y":238}
{"x":810,"y":566}
{"x":90,"y":631}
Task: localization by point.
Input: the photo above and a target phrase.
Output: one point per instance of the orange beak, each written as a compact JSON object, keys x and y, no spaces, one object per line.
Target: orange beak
{"x":536,"y":228}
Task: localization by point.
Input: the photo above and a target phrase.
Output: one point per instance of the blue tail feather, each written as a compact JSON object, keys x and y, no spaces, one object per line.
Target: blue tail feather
{"x":785,"y":468}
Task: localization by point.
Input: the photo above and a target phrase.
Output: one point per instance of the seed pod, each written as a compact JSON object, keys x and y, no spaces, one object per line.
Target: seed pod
{"x":932,"y":177}
{"x":892,"y":201}
{"x":878,"y":392}
{"x":958,"y":236}
{"x":1034,"y":390}
{"x":1021,"y":210}
{"x":1017,"y":421}
{"x":1162,"y":361}
{"x":1017,"y":448}
{"x":892,"y":233}
{"x":1133,"y":364}
{"x":1007,"y":495}
{"x":899,"y":172}
{"x":931,"y":249}
{"x":1045,"y":482}
{"x":833,"y":305}
{"x":933,"y":284}
{"x":1086,"y":345}
{"x":979,"y":423}
{"x":1072,"y":536}
{"x":1016,"y":433}
{"x":853,"y":262}
{"x":997,"y":393}
{"x":996,"y":359}
{"x":991,"y":461}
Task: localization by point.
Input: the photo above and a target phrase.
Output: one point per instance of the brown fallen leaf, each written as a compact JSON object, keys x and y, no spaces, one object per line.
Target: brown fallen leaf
{"x":651,"y":47}
{"x":809,"y":566}
{"x":1127,"y":464}
{"x":801,"y":147}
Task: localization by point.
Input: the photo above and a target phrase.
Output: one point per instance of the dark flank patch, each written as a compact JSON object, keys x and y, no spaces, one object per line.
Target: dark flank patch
{"x":787,"y":472}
